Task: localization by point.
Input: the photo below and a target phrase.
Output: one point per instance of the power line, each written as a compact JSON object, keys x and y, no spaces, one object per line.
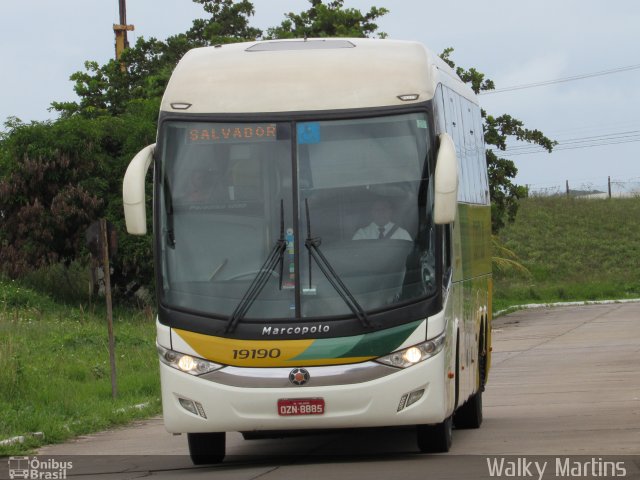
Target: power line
{"x":568,"y":141}
{"x":562,"y":80}
{"x":575,"y":147}
{"x":593,"y":128}
{"x":576,"y":143}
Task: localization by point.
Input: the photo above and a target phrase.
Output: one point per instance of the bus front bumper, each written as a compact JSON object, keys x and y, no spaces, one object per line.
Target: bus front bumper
{"x":193,"y":404}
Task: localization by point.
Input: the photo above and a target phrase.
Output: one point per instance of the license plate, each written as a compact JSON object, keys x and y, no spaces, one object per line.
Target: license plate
{"x":300,"y":406}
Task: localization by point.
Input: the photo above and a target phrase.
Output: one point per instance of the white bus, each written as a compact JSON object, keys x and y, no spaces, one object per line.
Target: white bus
{"x":322,"y":242}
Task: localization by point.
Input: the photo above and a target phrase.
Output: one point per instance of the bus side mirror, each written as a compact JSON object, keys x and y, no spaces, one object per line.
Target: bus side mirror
{"x":135,"y":212}
{"x":446,"y":182}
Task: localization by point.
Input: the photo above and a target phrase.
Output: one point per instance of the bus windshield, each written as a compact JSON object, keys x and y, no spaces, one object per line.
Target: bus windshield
{"x":350,"y":199}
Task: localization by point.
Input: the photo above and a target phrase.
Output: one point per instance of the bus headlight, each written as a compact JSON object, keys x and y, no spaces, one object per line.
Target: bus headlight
{"x":186,"y":363}
{"x":415,"y":354}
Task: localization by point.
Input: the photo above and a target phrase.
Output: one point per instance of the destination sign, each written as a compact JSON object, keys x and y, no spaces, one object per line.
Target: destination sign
{"x":233,"y":133}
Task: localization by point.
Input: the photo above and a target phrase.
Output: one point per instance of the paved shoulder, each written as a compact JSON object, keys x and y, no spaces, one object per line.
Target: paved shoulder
{"x":565,"y":380}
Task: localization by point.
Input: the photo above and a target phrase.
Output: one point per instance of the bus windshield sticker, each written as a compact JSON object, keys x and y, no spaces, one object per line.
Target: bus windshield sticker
{"x":308,"y":133}
{"x":421,"y":123}
{"x":232,"y":133}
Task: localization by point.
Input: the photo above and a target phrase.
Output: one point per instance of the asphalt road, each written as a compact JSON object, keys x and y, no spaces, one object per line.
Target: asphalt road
{"x":565,"y":384}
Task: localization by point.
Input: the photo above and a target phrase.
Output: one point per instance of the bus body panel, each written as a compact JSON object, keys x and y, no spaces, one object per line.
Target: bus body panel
{"x":202,"y":80}
{"x":368,"y":404}
{"x":472,"y":277}
{"x":470,"y":308}
{"x":358,"y":404}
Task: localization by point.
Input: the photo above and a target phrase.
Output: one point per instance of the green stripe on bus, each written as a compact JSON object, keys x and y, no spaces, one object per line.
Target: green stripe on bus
{"x":373,"y":344}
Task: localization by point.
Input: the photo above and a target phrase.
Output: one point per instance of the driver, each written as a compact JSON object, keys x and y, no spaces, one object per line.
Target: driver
{"x":382,"y":227}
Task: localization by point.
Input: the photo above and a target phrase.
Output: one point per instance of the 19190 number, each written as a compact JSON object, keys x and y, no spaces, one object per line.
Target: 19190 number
{"x":259,"y":353}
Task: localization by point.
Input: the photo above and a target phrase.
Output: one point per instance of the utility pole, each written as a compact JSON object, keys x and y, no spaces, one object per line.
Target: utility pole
{"x":121,"y":30}
{"x":106,"y":268}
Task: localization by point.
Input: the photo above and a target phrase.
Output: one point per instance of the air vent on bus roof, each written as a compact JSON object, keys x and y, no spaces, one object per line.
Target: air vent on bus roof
{"x":277,"y":46}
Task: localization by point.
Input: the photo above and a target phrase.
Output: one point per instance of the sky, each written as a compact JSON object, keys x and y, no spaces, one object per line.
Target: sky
{"x":596,"y":119}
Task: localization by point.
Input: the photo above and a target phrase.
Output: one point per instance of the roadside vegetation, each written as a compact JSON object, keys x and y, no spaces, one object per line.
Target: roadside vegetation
{"x":54,"y":368}
{"x":59,"y":176}
{"x":575,"y":249}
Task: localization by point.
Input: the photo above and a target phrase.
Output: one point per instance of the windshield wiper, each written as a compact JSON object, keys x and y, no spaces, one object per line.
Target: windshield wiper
{"x":275,"y":256}
{"x":313,"y":246}
{"x":168,"y":205}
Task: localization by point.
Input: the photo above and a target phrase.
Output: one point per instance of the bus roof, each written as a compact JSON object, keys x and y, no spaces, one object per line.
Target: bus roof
{"x":306,"y":75}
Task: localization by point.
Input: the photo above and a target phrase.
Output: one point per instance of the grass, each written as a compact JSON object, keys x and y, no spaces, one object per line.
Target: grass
{"x":54,"y":368}
{"x":576,"y":250}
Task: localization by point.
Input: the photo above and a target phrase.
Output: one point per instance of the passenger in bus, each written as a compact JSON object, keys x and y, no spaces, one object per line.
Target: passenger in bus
{"x":382,"y":227}
{"x":206,"y":185}
{"x":196,"y":189}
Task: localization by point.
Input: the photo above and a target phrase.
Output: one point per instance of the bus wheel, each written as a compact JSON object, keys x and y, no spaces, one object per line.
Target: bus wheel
{"x":206,"y":448}
{"x":435,"y":438}
{"x":469,"y":415}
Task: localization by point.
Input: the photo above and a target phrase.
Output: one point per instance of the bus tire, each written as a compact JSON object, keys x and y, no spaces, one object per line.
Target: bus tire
{"x":469,"y":415}
{"x":206,"y":448}
{"x":483,"y":357}
{"x":435,"y":438}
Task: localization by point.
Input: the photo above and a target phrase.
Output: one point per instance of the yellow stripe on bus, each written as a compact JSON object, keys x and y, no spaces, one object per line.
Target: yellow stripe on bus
{"x":257,"y":353}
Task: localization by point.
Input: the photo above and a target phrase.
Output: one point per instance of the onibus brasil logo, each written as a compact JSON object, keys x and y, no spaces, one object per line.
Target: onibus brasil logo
{"x":38,"y":469}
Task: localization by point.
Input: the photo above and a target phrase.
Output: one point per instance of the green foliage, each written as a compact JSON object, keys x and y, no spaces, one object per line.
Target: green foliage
{"x":504,"y":193}
{"x":575,"y":249}
{"x":45,"y":193}
{"x":329,"y":20}
{"x":474,"y":78}
{"x":505,"y":260}
{"x":67,"y":283}
{"x":108,"y":89}
{"x":58,"y":177}
{"x":229,"y":23}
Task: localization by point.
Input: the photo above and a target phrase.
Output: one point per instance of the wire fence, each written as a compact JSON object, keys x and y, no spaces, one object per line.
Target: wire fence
{"x":608,"y":188}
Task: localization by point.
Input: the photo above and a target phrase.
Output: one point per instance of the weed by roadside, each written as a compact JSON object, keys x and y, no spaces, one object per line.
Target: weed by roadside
{"x":54,"y":368}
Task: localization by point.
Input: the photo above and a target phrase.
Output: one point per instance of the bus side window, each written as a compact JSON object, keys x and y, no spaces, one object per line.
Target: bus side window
{"x":454,"y":127}
{"x":469,"y":145}
{"x":482,"y":158}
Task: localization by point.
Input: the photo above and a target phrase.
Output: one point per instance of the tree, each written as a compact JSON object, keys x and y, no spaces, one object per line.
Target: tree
{"x":44,"y":193}
{"x":504,"y":193}
{"x":58,"y":177}
{"x":229,"y":23}
{"x":106,"y":89}
{"x":329,"y":20}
